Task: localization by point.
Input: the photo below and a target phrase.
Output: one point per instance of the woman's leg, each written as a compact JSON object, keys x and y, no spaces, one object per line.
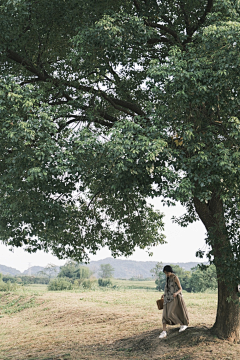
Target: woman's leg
{"x":163,"y":333}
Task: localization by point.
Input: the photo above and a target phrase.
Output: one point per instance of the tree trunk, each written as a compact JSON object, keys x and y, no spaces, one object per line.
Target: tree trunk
{"x":227,"y":320}
{"x":227,"y":324}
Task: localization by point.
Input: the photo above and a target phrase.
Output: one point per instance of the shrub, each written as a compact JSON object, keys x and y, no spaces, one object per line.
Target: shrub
{"x":87,"y":284}
{"x":204,"y":278}
{"x":10,"y":278}
{"x":74,"y":270}
{"x":59,"y":284}
{"x":104,"y":282}
{"x":7,"y":286}
{"x":25,"y":279}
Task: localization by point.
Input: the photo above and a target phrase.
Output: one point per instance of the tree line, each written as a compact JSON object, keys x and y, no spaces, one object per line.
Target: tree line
{"x":75,"y":275}
{"x":199,"y":279}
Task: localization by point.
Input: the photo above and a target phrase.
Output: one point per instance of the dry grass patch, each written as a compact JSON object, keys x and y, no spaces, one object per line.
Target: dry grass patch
{"x":11,"y":303}
{"x":109,"y":324}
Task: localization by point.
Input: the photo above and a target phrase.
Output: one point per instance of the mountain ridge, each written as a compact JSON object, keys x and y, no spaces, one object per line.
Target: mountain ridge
{"x":126,"y":269}
{"x":8,"y":270}
{"x":123,"y":268}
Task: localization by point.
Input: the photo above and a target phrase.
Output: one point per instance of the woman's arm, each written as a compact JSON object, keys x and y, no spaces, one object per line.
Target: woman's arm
{"x":179,"y":287}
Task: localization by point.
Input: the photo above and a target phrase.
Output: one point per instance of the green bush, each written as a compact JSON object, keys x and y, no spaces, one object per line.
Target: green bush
{"x":204,"y":278}
{"x":7,"y":286}
{"x":25,"y":279}
{"x":6,"y":278}
{"x":59,"y":284}
{"x":87,"y":284}
{"x":74,"y":271}
{"x":104,"y":282}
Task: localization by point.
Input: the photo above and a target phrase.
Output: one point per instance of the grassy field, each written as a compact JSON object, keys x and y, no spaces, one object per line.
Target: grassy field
{"x":120,"y":323}
{"x":134,"y":284}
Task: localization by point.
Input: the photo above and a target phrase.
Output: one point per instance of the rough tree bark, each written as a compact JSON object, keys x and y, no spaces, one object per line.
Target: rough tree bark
{"x":227,"y":323}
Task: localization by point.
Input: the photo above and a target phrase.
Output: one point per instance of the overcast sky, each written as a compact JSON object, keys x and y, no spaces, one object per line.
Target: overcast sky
{"x":182,"y":244}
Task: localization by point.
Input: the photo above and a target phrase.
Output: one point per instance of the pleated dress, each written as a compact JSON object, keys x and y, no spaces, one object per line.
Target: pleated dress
{"x":174,"y":309}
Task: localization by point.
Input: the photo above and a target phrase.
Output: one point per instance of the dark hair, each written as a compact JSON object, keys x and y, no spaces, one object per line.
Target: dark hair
{"x":168,"y":268}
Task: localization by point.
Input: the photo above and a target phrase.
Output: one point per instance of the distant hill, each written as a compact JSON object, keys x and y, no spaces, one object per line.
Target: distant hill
{"x":33,"y":270}
{"x":7,"y":270}
{"x":123,"y":269}
{"x":126,"y":269}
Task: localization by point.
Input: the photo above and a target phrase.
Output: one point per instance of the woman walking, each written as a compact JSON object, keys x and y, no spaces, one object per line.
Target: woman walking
{"x":174,"y":308}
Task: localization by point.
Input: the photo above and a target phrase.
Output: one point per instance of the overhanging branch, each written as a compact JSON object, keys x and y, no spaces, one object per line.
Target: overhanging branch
{"x":121,"y":105}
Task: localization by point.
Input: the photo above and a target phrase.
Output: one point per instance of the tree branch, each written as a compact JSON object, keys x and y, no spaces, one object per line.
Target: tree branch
{"x":135,"y":108}
{"x":158,"y":40}
{"x":29,"y":81}
{"x":139,"y":216}
{"x":92,"y":199}
{"x":117,"y":104}
{"x":121,"y":105}
{"x":79,"y":118}
{"x":137,"y":6}
{"x":108,"y":117}
{"x":114,"y":74}
{"x":164,"y":28}
{"x":200,"y":21}
{"x":207,"y":11}
{"x":27,"y":65}
{"x":186,"y":18}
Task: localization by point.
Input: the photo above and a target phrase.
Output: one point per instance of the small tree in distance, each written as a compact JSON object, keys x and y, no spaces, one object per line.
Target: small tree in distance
{"x":159,"y":276}
{"x":49,"y":271}
{"x":73,"y":270}
{"x":106,"y":271}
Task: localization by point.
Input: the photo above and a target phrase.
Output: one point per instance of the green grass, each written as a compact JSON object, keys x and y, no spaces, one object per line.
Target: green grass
{"x":135,"y":284}
{"x":117,"y":285}
{"x":37,"y":288}
{"x":11,"y":303}
{"x":24,"y":297}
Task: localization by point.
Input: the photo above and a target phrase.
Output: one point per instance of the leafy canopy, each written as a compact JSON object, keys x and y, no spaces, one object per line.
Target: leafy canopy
{"x":106,"y":103}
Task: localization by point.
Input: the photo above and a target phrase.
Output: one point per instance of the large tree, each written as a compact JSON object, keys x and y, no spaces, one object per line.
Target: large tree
{"x":106,"y":103}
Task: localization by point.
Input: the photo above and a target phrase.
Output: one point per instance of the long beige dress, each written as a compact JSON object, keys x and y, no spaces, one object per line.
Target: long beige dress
{"x":174,"y":309}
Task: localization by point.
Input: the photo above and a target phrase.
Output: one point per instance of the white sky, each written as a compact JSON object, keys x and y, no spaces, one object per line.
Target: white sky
{"x":182,"y":244}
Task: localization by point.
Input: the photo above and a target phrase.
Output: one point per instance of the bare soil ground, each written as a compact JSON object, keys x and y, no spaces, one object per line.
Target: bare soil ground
{"x":111,"y":324}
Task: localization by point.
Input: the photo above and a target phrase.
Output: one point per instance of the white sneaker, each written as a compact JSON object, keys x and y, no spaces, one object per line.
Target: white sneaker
{"x":163,"y":335}
{"x":182,"y":328}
